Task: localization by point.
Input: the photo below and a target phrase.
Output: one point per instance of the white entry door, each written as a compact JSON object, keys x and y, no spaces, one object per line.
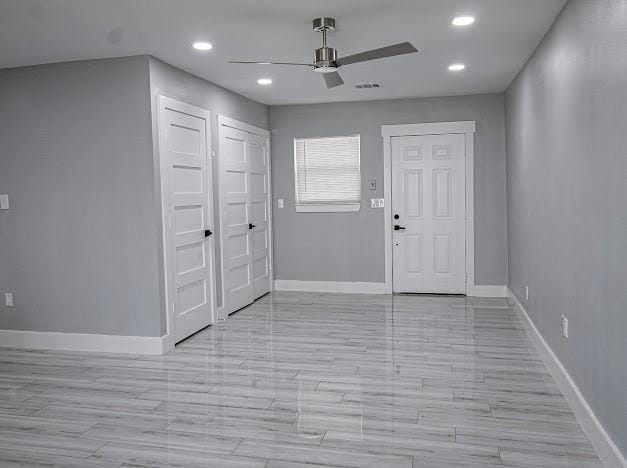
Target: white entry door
{"x":244,"y":162}
{"x":184,"y":140}
{"x":428,"y":211}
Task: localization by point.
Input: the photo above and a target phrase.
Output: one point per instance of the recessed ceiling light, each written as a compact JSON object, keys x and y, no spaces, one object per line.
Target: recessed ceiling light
{"x":463,"y":21}
{"x":456,"y":67}
{"x":264,"y":81}
{"x":264,"y":63}
{"x":200,"y":45}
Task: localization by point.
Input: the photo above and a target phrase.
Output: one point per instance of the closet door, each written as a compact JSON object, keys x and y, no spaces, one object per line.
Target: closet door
{"x":258,"y":173}
{"x":246,"y":222}
{"x":236,"y":218}
{"x":184,"y":142}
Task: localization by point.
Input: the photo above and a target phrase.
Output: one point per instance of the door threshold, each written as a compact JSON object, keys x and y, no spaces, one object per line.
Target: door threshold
{"x":429,"y":294}
{"x":243,"y":307}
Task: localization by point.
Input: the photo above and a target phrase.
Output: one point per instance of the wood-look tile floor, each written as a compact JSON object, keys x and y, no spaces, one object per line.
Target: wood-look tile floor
{"x":302,"y":380}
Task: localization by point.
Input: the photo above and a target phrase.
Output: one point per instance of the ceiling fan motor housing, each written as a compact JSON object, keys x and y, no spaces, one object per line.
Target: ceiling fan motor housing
{"x":325,"y":60}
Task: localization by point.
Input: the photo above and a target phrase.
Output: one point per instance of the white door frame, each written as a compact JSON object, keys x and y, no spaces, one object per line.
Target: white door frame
{"x":164,"y":103}
{"x":265,"y":134}
{"x":467,"y":128}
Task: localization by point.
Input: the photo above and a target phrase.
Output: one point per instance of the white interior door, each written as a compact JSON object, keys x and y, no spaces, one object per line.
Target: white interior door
{"x":428,"y":211}
{"x":245,"y":173}
{"x":259,"y":174}
{"x":188,"y":195}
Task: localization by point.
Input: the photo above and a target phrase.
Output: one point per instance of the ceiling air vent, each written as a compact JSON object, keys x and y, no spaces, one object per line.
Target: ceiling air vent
{"x":368,"y":85}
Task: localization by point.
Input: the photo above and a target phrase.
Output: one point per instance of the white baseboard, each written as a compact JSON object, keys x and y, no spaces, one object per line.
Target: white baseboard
{"x":330,"y":287}
{"x":608,"y":451}
{"x":85,"y":342}
{"x":479,"y":290}
{"x":370,"y":288}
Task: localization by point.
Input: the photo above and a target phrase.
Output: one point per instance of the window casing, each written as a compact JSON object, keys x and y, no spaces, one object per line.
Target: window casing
{"x":327,"y":174}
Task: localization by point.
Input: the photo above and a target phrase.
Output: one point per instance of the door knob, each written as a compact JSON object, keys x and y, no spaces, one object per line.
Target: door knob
{"x":399,"y":228}
{"x":208,"y":232}
{"x":251,"y":225}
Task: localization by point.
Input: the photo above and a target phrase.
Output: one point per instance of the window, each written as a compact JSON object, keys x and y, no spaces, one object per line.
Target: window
{"x":328,"y":177}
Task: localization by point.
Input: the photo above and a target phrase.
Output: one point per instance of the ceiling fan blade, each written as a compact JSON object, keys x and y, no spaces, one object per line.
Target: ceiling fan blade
{"x":383,"y":52}
{"x":333,"y":79}
{"x":272,"y":63}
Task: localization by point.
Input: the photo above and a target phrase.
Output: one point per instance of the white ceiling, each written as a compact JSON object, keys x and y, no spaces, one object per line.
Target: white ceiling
{"x":494,"y":48}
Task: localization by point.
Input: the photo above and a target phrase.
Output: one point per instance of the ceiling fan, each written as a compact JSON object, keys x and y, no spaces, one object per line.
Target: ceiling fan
{"x":326,"y":60}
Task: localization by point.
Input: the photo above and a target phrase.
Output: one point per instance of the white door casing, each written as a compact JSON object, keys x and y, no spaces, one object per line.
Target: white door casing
{"x":465,"y":128}
{"x":244,"y":160}
{"x":187,"y":195}
{"x":428,"y":198}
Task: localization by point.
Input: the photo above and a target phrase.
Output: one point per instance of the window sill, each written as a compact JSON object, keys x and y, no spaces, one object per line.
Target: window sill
{"x":328,"y":208}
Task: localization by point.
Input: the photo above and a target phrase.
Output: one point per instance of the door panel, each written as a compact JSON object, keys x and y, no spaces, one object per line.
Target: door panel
{"x":189,"y":212}
{"x":259,"y":214}
{"x":235,"y":160}
{"x":428,"y":197}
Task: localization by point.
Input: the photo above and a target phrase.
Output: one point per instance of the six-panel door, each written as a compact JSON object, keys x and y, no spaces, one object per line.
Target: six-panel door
{"x":428,"y":210}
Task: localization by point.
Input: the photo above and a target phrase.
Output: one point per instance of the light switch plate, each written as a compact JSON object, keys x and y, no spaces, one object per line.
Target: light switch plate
{"x":280,"y":203}
{"x":377,"y":203}
{"x":4,"y":202}
{"x":8,"y":299}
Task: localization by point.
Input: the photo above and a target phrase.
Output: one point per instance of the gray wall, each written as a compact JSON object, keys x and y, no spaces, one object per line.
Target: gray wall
{"x":77,"y":248}
{"x":81,"y":246}
{"x":175,"y":83}
{"x":350,"y":246}
{"x":567,"y":198}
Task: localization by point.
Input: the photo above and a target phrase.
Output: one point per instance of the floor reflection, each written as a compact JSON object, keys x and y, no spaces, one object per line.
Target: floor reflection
{"x":326,"y":379}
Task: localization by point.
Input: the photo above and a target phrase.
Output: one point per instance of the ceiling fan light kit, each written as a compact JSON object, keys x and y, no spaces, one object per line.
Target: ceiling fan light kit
{"x":326,"y":60}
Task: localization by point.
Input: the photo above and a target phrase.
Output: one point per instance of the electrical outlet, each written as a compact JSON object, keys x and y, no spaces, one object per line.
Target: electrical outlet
{"x":372,"y":184}
{"x":564,"y":326}
{"x":8,"y":299}
{"x":526,"y":293}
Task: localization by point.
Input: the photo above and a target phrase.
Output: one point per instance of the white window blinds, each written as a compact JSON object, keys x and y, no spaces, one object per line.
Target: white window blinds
{"x":327,"y":171}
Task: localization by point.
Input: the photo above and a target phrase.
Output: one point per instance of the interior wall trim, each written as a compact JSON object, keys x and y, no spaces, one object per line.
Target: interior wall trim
{"x":331,"y":286}
{"x":606,"y":449}
{"x":479,"y":290}
{"x":86,"y":342}
{"x":370,"y":288}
